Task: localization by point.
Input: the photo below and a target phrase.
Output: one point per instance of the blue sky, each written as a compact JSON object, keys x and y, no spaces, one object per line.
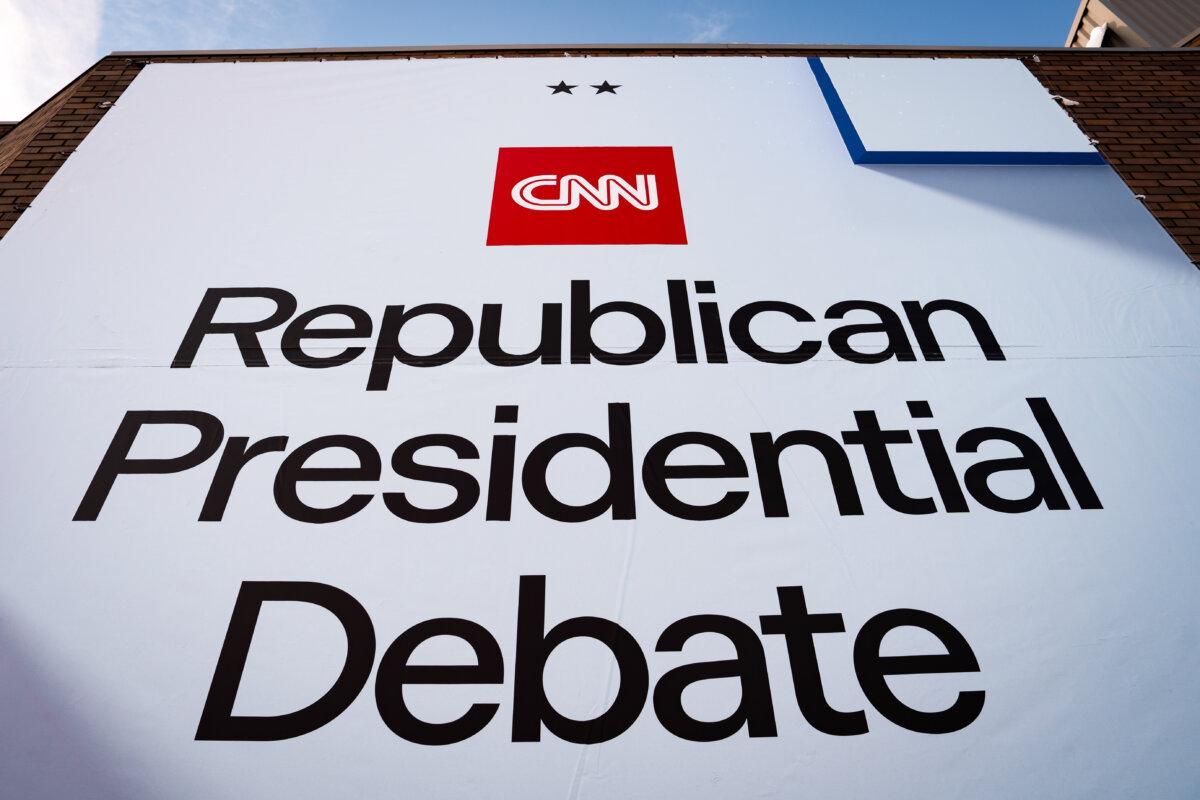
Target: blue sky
{"x":44,"y":43}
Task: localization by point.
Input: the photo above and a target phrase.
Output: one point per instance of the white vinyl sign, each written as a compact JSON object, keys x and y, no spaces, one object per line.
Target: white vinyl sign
{"x":586,"y":428}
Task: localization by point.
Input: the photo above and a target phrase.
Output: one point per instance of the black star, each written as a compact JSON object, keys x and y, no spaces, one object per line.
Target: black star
{"x":606,"y":87}
{"x":561,"y":87}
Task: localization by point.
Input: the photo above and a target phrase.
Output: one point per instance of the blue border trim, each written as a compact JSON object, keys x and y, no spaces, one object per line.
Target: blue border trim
{"x":845,"y":127}
{"x":859,"y":154}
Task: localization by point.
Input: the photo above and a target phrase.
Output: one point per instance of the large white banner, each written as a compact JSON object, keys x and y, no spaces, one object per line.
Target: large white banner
{"x":586,"y":428}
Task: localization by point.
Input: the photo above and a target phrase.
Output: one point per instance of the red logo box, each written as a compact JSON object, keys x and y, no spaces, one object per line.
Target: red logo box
{"x":586,"y":195}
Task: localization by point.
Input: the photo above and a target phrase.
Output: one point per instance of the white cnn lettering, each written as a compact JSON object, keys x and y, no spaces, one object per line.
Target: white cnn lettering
{"x":564,"y":193}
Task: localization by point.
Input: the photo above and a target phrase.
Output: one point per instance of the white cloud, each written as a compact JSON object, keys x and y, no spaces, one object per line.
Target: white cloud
{"x":206,"y":24}
{"x":46,"y":43}
{"x":43,"y":45}
{"x":709,"y":26}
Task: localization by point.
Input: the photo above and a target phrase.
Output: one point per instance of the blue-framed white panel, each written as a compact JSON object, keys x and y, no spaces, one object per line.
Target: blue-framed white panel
{"x":962,"y":111}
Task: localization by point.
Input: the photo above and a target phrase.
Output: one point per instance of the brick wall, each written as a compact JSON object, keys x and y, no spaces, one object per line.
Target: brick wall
{"x":29,"y":155}
{"x":1142,"y":107}
{"x":1144,"y":110}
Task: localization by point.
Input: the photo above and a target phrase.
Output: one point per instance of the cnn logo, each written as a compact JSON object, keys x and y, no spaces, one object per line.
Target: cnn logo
{"x":599,"y":195}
